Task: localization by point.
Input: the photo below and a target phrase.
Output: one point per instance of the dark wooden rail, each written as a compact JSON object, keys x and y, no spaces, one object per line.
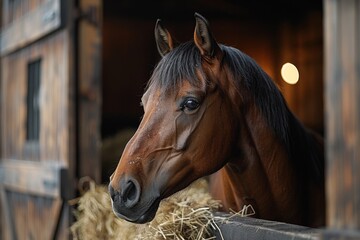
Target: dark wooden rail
{"x":245,"y":228}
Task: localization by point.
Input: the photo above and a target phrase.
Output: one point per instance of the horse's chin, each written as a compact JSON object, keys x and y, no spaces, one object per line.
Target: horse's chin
{"x":142,"y":218}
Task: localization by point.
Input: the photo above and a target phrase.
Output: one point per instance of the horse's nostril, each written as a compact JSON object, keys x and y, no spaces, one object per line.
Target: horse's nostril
{"x":130,"y":193}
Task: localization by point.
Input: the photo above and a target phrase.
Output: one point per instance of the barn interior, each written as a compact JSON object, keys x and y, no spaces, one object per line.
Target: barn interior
{"x":51,"y":90}
{"x":271,"y":32}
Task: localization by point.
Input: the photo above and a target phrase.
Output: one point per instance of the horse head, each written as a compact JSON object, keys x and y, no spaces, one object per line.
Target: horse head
{"x":187,"y":130}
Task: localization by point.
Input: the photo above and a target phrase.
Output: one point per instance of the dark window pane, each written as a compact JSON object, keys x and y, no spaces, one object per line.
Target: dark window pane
{"x":33,"y":108}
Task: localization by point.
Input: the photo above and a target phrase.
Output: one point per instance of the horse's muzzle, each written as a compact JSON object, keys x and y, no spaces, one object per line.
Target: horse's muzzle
{"x":127,"y":204}
{"x":128,"y":195}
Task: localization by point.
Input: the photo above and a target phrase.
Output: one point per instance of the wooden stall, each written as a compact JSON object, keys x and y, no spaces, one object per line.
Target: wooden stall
{"x":50,"y":102}
{"x":314,"y":35}
{"x":58,"y":82}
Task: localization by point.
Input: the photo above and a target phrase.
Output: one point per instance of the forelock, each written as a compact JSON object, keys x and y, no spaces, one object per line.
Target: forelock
{"x":183,"y":63}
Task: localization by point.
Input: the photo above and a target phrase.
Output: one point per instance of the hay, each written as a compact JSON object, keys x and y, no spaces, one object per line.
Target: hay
{"x":95,"y":219}
{"x":187,"y":214}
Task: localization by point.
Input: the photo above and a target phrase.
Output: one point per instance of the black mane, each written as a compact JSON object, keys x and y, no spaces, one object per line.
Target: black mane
{"x":181,"y":63}
{"x":176,"y":66}
{"x":266,"y":94}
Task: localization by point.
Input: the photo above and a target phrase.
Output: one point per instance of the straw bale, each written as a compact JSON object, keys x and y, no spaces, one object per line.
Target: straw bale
{"x":187,"y":214}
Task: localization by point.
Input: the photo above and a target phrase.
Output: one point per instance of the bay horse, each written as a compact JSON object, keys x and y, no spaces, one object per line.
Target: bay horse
{"x":209,"y":109}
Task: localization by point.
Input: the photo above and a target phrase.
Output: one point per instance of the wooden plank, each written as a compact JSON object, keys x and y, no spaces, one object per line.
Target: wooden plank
{"x":341,"y":235}
{"x":7,"y":226}
{"x":5,"y":12}
{"x":342,"y":95}
{"x":32,"y":177}
{"x":33,"y":25}
{"x":33,"y":217}
{"x":89,"y":90}
{"x":245,"y":228}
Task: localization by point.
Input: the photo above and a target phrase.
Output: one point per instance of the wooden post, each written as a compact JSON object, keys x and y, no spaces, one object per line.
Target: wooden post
{"x":89,"y":50}
{"x":342,"y":97}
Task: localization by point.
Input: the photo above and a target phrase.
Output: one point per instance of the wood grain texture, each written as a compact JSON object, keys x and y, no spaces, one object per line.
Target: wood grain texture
{"x":29,"y":24}
{"x":89,"y":100}
{"x":54,"y":101}
{"x":33,"y":217}
{"x":342,"y":95}
{"x":32,"y":177}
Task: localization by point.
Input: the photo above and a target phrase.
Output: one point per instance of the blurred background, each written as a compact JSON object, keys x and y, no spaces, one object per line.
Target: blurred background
{"x":271,"y":32}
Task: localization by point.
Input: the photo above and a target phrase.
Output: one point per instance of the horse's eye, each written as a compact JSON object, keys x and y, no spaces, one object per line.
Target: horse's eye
{"x":190,"y":105}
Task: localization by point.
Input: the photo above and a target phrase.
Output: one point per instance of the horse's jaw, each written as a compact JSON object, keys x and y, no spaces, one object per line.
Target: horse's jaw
{"x":144,"y":217}
{"x":164,"y":179}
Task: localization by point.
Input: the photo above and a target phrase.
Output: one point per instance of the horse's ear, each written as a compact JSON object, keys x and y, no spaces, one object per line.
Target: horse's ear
{"x":163,"y":39}
{"x":203,"y":37}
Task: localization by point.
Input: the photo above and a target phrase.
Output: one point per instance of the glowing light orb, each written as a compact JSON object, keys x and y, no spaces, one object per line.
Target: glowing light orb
{"x":290,"y":73}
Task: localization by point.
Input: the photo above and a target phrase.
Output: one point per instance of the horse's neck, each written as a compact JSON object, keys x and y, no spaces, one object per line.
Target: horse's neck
{"x":260,"y":174}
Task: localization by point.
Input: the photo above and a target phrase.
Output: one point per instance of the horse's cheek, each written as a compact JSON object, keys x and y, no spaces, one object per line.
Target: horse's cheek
{"x":185,"y":126}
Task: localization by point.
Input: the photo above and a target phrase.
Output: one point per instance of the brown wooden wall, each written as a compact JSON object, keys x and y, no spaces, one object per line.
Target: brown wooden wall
{"x":302,"y":44}
{"x":54,"y":101}
{"x":128,"y":57}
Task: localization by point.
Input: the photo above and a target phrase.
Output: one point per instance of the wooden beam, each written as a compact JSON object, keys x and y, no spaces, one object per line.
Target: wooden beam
{"x":251,"y":228}
{"x":89,"y":89}
{"x":41,"y":179}
{"x":342,"y":96}
{"x":246,"y":228}
{"x":8,"y":230}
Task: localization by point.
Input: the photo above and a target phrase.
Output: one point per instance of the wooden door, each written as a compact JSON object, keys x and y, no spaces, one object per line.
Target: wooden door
{"x":42,"y":106}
